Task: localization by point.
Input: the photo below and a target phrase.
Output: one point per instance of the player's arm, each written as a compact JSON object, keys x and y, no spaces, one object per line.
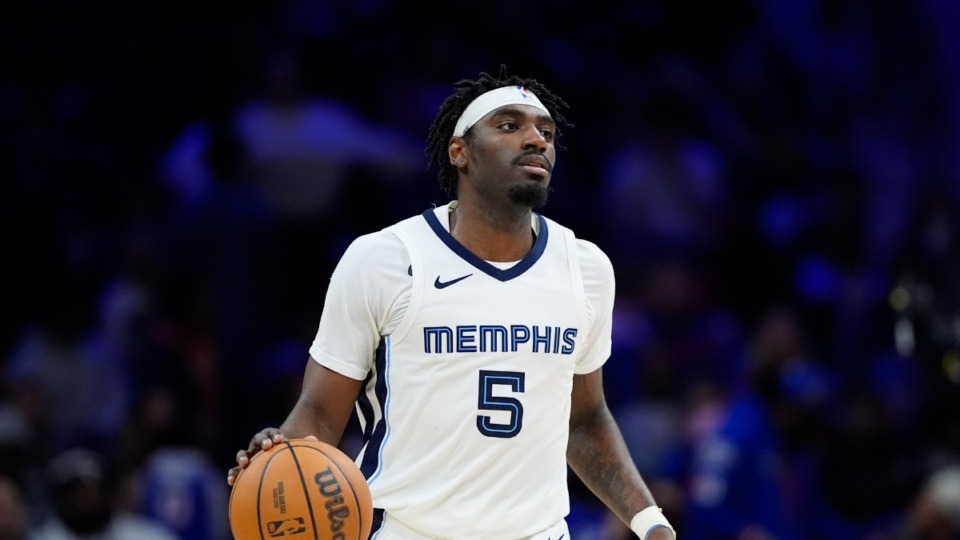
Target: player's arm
{"x":324,"y":406}
{"x":355,"y":310}
{"x":596,"y":451}
{"x":322,"y":411}
{"x":598,"y":455}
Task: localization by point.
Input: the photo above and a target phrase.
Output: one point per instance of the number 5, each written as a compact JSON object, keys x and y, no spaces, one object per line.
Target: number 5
{"x":488,"y":402}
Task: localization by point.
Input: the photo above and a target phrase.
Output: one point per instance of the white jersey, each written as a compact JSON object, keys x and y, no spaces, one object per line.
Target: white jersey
{"x":468,"y":371}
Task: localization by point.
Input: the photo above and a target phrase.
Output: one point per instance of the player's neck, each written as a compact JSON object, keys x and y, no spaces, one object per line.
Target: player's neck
{"x":498,"y":236}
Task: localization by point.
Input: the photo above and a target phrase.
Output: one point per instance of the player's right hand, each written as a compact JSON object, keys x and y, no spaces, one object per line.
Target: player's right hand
{"x":263,"y":440}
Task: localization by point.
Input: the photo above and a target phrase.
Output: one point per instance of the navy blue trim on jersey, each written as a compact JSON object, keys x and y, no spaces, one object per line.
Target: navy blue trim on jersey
{"x":366,"y":409}
{"x":377,"y":521}
{"x":503,"y":275}
{"x":373,"y":435}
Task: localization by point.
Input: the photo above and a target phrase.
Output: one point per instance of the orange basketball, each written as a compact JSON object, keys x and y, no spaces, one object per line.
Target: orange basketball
{"x":303,"y":489}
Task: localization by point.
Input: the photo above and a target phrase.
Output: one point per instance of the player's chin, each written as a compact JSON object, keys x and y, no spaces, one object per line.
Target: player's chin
{"x":532,"y":195}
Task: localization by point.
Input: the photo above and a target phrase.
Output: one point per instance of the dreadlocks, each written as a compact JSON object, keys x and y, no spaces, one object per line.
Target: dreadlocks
{"x":451,"y":109}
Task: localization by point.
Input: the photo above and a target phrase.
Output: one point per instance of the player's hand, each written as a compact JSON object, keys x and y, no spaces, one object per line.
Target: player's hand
{"x":264,"y":440}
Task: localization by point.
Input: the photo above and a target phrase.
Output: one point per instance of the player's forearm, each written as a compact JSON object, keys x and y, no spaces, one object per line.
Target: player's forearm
{"x":324,"y":406}
{"x":308,"y":419}
{"x":599,"y":456}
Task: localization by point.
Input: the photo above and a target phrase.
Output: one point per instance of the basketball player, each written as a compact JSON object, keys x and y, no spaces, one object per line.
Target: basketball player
{"x":471,"y":339}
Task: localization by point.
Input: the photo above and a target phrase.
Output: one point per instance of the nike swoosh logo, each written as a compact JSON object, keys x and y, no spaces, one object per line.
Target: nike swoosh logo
{"x":444,"y":284}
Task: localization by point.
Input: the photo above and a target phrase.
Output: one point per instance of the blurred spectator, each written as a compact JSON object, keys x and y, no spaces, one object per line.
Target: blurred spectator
{"x":664,"y":187}
{"x":892,"y":182}
{"x":934,"y":514}
{"x":22,"y":454}
{"x":84,"y":506}
{"x":651,"y":422}
{"x":300,"y":146}
{"x":183,"y":489}
{"x":165,"y":467}
{"x":320,"y":166}
{"x":669,"y":327}
{"x":741,"y":471}
{"x":167,"y":472}
{"x":270,"y":184}
{"x":867,"y":473}
{"x":925,"y":301}
{"x":14,"y":515}
{"x":684,"y":343}
{"x":80,"y":394}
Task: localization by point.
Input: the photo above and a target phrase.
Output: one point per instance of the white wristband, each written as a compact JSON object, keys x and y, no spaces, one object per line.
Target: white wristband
{"x":648,"y":519}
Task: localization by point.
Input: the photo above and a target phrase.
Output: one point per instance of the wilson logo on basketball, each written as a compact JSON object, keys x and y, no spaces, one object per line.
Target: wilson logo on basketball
{"x":337,"y":511}
{"x":286,"y":527}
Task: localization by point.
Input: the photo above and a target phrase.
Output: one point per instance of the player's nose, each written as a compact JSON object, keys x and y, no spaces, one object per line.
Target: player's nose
{"x":533,"y":137}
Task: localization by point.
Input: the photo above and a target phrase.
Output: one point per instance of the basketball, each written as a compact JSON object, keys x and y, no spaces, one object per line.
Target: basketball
{"x":302,"y":488}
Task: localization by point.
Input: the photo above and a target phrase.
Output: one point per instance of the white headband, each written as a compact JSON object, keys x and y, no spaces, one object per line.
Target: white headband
{"x":494,"y":99}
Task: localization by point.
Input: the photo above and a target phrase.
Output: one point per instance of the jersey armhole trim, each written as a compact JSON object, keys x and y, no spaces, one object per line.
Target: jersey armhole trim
{"x":576,"y":281}
{"x":417,"y":276}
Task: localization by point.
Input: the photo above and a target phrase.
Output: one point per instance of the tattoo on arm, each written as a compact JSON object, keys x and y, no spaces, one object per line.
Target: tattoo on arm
{"x":599,"y":456}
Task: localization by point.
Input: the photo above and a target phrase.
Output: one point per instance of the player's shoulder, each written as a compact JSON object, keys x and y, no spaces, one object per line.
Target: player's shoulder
{"x":372,"y":256}
{"x":387,"y":242}
{"x":586,"y":249}
{"x":383,"y":242}
{"x":594,"y":262}
{"x":590,"y":251}
{"x":372,"y":265}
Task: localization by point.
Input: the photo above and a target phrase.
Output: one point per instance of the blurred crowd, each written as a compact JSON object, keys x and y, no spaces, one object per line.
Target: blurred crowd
{"x":777,"y":183}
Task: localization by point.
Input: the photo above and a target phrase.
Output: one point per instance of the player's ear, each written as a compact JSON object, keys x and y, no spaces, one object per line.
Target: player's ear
{"x":457,"y":152}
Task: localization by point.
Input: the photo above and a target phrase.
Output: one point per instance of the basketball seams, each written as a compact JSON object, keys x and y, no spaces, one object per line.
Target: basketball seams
{"x":306,"y":490}
{"x":263,"y":474}
{"x":332,"y":459}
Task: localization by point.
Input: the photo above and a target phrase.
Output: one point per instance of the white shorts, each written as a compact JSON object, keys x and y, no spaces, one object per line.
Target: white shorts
{"x":394,"y":530}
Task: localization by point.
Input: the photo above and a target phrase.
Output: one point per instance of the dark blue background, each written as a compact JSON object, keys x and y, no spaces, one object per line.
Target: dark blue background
{"x":775,"y":181}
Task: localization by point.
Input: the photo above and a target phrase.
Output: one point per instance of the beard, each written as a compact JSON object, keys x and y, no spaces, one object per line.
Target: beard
{"x":530,"y":195}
